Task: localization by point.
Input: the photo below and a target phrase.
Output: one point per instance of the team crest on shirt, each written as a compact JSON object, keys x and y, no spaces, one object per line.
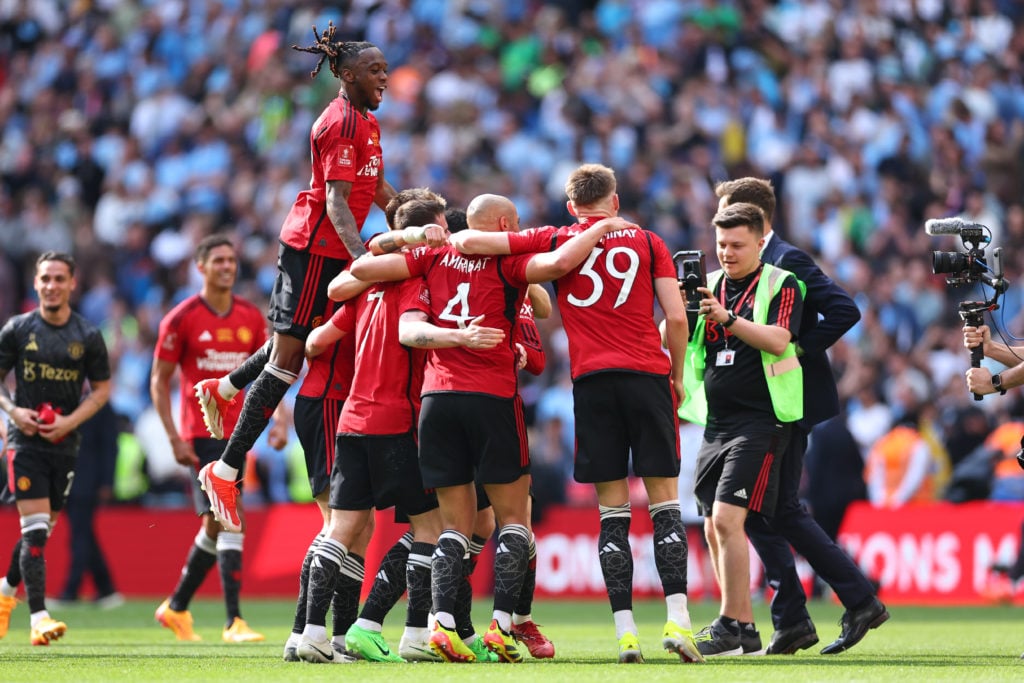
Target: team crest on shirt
{"x":346,"y":156}
{"x":244,"y":335}
{"x":374,"y":139}
{"x":225,"y":334}
{"x":317,"y":320}
{"x":24,"y":483}
{"x":76,"y":350}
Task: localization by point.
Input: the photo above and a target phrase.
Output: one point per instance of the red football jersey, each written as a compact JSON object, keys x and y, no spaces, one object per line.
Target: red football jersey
{"x":528,"y":335}
{"x":385,"y":395}
{"x":329,"y":375}
{"x":460,"y":289}
{"x":344,"y":145}
{"x":607,"y":302}
{"x":204,"y":345}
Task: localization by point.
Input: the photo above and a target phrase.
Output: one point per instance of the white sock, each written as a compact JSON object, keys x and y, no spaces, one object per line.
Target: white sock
{"x":315,"y":633}
{"x":225,"y":388}
{"x":418,"y":634}
{"x":224,"y":471}
{"x":369,"y":625}
{"x":624,"y":622}
{"x":677,"y":610}
{"x":446,"y":619}
{"x":504,"y":620}
{"x":6,"y":589}
{"x":37,"y":617}
{"x":521,"y":618}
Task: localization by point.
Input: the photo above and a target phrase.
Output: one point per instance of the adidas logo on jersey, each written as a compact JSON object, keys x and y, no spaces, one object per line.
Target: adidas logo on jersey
{"x":205,"y":336}
{"x":742,"y":493}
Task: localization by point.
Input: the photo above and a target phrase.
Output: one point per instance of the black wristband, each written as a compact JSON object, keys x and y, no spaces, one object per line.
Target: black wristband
{"x":997,"y":384}
{"x":731,"y":320}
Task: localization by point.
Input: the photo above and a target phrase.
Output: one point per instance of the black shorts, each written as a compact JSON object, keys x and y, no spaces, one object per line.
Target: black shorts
{"x":483,"y":501}
{"x":36,"y":474}
{"x":209,"y":450}
{"x":378,"y":472}
{"x":299,"y":299}
{"x":622,"y":412}
{"x":314,"y":419}
{"x":742,"y":469}
{"x":472,"y":437}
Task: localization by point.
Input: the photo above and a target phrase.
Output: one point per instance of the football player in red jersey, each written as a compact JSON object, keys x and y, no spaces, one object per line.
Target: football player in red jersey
{"x":318,"y":239}
{"x":531,"y":358}
{"x":317,"y":412}
{"x":471,"y":425}
{"x":206,"y":335}
{"x":625,"y":395}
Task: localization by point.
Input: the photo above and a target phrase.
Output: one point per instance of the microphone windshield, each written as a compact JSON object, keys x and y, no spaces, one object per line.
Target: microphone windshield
{"x":944,"y":226}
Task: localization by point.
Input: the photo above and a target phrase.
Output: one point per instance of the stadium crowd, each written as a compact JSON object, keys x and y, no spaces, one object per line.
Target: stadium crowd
{"x":130,"y":130}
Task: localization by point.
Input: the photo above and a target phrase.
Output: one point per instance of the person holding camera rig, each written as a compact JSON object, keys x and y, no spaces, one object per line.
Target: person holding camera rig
{"x":827,"y":313}
{"x":981,"y":381}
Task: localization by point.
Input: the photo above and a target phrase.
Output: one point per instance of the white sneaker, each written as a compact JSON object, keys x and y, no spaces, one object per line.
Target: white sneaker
{"x":320,"y":652}
{"x":290,"y":647}
{"x":413,"y":649}
{"x":110,"y":601}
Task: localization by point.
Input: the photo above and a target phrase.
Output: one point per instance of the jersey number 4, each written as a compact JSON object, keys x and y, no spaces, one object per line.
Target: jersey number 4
{"x":625,"y":277}
{"x":457,"y":308}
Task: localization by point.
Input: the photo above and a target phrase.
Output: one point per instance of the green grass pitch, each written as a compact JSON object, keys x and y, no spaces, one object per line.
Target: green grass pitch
{"x":917,"y":644}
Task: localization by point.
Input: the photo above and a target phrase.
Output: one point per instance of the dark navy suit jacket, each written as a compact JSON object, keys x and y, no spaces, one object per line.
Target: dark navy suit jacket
{"x":839,"y":314}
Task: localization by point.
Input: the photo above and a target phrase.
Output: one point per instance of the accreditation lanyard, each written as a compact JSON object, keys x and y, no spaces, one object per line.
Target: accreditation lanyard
{"x":743,"y":299}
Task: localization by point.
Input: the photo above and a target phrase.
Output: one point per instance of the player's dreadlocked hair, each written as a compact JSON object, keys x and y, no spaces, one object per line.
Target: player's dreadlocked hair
{"x":337,"y":53}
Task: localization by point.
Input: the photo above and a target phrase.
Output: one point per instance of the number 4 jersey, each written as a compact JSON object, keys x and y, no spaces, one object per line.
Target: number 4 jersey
{"x":607,"y":303}
{"x":458,"y":290}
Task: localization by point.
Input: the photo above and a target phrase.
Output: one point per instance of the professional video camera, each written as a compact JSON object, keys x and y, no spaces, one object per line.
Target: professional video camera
{"x":961,"y":269}
{"x":969,"y":268}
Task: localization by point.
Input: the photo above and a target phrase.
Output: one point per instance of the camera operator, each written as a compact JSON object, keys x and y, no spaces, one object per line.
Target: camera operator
{"x":827,"y":313}
{"x":981,"y":380}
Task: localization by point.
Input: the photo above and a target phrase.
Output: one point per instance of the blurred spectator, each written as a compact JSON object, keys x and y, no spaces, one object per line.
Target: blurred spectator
{"x":122,"y":122}
{"x":93,"y":486}
{"x":835,"y":474}
{"x":551,"y":465}
{"x":1007,"y":476}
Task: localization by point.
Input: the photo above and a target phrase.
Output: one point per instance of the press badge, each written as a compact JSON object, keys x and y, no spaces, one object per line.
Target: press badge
{"x":725,"y":358}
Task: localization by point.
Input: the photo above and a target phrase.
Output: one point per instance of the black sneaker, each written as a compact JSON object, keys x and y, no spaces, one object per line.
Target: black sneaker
{"x":750,"y":640}
{"x":717,"y":640}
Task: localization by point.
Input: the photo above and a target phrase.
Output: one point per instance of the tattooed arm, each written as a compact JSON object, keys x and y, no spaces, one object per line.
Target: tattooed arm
{"x":415,"y":330}
{"x":341,"y":216}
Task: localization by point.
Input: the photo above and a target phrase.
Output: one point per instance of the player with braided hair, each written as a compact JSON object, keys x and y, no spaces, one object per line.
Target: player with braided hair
{"x":318,"y":239}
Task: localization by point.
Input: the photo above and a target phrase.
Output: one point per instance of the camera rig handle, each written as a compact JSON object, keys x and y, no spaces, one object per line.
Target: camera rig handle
{"x":972,"y":313}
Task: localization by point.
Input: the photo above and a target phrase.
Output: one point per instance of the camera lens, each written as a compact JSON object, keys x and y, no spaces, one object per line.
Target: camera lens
{"x":949,"y":262}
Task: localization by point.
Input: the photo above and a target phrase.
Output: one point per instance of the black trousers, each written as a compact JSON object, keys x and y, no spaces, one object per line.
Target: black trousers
{"x":793,"y":526}
{"x":86,"y":553}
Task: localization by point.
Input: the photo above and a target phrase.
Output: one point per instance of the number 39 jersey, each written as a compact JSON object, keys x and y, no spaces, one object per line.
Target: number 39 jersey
{"x":607,"y":303}
{"x":458,"y":290}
